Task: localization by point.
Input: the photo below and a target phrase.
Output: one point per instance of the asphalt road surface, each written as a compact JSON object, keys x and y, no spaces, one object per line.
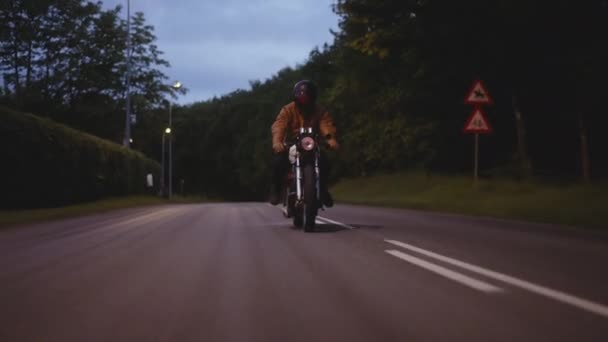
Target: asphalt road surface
{"x":239,"y":272}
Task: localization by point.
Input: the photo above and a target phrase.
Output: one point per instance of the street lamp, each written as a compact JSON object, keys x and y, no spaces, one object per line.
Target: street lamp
{"x":175,"y":86}
{"x":162,"y":169}
{"x":127,"y":138}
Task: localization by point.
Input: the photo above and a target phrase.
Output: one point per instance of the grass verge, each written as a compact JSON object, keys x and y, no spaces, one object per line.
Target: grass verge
{"x":16,"y":217}
{"x":574,"y":204}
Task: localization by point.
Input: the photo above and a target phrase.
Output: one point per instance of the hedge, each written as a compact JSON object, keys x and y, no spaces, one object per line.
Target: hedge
{"x":45,"y":164}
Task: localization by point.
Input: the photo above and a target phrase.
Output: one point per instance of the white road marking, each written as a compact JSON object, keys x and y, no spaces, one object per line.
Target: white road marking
{"x":318,"y":219}
{"x":283,"y":210}
{"x":458,"y":277}
{"x":563,"y":297}
{"x":336,"y":222}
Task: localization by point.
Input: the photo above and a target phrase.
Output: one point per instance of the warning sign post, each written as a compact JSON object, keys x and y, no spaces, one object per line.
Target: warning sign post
{"x":477,"y":123}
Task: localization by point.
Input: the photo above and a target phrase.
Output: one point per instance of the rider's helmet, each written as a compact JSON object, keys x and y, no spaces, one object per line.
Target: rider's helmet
{"x":305,"y":94}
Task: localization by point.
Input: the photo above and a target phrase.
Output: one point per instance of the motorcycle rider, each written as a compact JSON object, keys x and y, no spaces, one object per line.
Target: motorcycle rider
{"x":303,"y":111}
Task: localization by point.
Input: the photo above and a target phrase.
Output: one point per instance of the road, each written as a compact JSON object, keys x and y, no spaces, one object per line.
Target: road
{"x":238,"y":272}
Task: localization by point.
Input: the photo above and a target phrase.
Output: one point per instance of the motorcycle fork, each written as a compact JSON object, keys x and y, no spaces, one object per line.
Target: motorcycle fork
{"x":298,"y":166}
{"x":318,"y":177}
{"x":298,"y":179}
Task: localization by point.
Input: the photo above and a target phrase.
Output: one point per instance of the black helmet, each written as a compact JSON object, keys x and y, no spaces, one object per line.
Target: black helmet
{"x":305,"y":93}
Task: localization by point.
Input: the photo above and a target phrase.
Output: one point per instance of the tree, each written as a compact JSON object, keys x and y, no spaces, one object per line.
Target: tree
{"x":67,"y":60}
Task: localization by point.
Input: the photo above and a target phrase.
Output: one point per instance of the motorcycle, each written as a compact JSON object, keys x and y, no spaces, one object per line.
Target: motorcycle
{"x":302,"y":191}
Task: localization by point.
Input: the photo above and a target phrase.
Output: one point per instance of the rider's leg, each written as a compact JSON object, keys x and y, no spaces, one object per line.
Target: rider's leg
{"x":325,"y":169}
{"x":279,"y":166}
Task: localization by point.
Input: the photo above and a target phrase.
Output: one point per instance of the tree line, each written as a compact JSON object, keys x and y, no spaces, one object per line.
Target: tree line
{"x":395,"y":79}
{"x":66,"y":59}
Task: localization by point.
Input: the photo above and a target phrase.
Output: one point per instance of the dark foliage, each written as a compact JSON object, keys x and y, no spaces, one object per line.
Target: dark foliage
{"x":49,"y":164}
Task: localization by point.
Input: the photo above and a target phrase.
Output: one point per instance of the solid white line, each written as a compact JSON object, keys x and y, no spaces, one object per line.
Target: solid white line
{"x":317,"y":221}
{"x":458,"y":277}
{"x":563,"y":297}
{"x":336,"y":222}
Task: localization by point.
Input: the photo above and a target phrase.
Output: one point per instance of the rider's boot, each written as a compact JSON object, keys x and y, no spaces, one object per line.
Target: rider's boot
{"x":326,"y":198}
{"x":275,"y":196}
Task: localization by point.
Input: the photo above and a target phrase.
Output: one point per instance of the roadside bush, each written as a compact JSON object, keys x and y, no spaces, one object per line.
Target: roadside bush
{"x":46,"y":164}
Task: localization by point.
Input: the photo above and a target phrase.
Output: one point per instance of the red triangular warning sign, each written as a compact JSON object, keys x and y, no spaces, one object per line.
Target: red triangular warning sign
{"x":478,"y":95}
{"x":478,"y":123}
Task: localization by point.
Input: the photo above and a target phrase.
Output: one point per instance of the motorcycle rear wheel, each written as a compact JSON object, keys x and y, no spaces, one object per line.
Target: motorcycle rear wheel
{"x":298,"y":217}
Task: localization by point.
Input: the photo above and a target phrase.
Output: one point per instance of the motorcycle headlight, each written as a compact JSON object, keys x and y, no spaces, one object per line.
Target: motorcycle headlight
{"x":308,"y":143}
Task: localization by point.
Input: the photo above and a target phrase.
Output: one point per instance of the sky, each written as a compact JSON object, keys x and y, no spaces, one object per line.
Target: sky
{"x":218,"y":46}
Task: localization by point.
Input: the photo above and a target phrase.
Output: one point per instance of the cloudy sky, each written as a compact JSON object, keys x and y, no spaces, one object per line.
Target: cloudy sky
{"x":217,"y":46}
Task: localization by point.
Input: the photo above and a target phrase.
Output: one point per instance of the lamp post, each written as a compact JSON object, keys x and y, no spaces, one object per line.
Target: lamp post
{"x":127,"y":138}
{"x":162,"y":169}
{"x":175,"y":86}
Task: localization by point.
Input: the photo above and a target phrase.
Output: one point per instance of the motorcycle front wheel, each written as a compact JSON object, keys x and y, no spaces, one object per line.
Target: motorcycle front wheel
{"x":310,"y":197}
{"x":298,"y":217}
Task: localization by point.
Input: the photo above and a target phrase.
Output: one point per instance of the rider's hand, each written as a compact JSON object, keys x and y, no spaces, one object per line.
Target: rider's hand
{"x":333,"y":144}
{"x":278,"y":147}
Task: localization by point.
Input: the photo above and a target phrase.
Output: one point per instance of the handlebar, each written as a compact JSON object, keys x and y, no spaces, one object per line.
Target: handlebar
{"x":322,"y":142}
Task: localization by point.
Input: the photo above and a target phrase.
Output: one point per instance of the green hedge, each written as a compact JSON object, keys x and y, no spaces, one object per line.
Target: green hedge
{"x":47,"y":164}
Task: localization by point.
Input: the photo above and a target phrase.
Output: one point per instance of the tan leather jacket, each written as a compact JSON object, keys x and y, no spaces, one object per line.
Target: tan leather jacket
{"x":290,"y":119}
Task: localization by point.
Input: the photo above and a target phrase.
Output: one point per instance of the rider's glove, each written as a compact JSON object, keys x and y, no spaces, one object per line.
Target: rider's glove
{"x":333,"y":144}
{"x":278,"y":147}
